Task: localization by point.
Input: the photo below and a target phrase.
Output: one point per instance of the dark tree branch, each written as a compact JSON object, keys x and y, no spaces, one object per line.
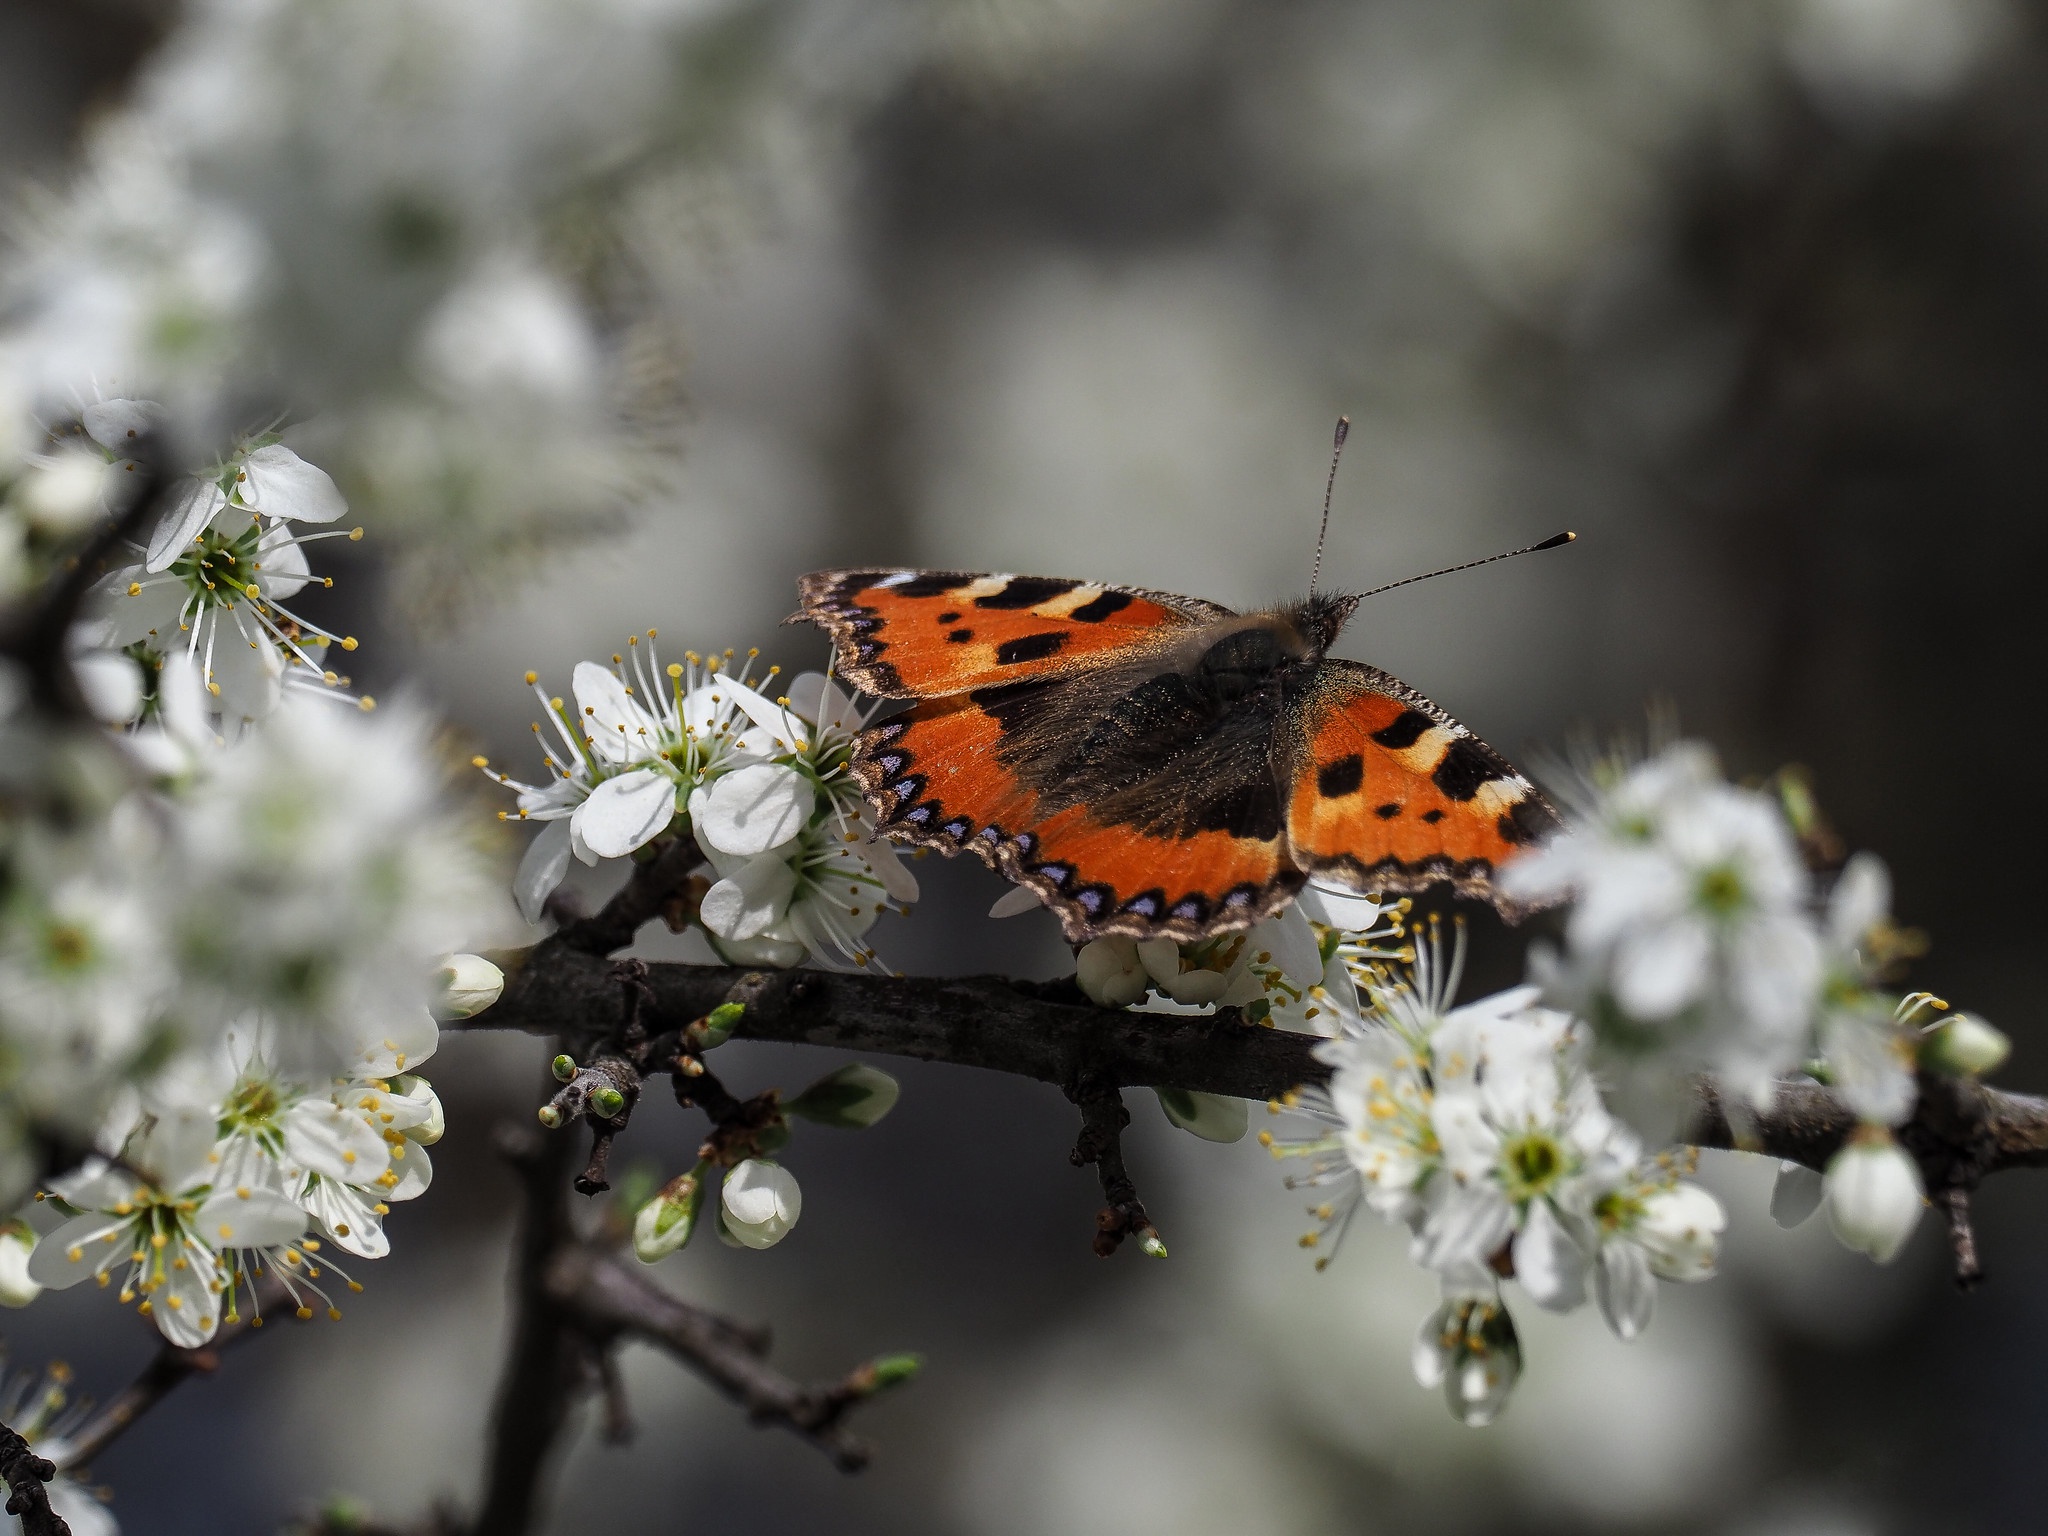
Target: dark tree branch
{"x":1960,"y":1132}
{"x":26,"y":1472}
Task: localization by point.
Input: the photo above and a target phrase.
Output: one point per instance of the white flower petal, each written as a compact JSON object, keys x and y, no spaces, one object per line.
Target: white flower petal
{"x":542,"y":869}
{"x":182,"y":524}
{"x":281,"y":484}
{"x":117,"y":424}
{"x":263,"y":1218}
{"x":1548,"y":1262}
{"x":625,"y":813}
{"x":752,"y":809}
{"x":1796,"y":1195}
{"x":746,"y":904}
{"x":1627,"y":1290}
{"x":1018,"y":900}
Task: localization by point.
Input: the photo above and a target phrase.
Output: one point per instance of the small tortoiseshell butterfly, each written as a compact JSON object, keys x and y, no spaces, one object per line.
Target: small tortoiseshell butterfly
{"x":1155,"y":765}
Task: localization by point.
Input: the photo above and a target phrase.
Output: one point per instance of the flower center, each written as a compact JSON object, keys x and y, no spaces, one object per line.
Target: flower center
{"x":1720,"y":891}
{"x":218,"y":567}
{"x":1532,"y":1163}
{"x":254,"y":1105}
{"x":68,"y":946}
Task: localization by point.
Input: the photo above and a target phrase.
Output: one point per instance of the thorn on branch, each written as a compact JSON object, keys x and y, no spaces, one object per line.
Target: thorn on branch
{"x":1103,"y":1118}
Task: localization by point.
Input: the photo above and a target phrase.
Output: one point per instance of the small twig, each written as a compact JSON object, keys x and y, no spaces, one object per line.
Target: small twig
{"x":1962,"y":1236}
{"x":1103,"y":1118}
{"x":610,"y":1301}
{"x":618,"y":1411}
{"x":639,"y":901}
{"x":26,"y":1472}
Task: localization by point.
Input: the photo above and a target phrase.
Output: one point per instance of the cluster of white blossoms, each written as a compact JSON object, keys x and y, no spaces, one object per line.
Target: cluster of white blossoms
{"x":1481,"y":1130}
{"x":793,"y":867}
{"x":1698,"y":940}
{"x":224,"y":917}
{"x":232,"y":1165}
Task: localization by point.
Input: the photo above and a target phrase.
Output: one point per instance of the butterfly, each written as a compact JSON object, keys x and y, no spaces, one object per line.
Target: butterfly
{"x":1156,"y":765}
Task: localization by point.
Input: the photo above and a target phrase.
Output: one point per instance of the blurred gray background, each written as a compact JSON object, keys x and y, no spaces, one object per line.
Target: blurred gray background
{"x":1753,"y":296}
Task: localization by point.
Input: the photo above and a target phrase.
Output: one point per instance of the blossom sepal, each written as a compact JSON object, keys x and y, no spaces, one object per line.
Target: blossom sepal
{"x":851,"y":1098}
{"x":1207,"y":1115}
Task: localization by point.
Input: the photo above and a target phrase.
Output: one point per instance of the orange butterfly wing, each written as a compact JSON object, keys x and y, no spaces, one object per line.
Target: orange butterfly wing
{"x":1389,"y":793}
{"x":914,"y":634}
{"x":935,"y":777}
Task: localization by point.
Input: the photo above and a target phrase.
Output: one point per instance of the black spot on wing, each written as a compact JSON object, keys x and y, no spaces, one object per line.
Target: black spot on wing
{"x":1432,"y":817}
{"x":1386,"y":812}
{"x":1525,"y":821}
{"x":1026,"y":592}
{"x":949,"y":617}
{"x":959,"y":636}
{"x":1340,"y":777}
{"x":1465,"y":766}
{"x":1030,"y":648}
{"x":1097,"y":609}
{"x":1403,"y":731}
{"x":928,"y":584}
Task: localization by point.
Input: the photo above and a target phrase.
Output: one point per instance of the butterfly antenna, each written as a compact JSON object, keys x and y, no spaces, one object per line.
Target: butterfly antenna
{"x":1336,"y":453}
{"x":1555,"y":541}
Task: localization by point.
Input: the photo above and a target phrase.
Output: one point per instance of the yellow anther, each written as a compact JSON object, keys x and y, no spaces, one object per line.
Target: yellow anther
{"x":348,"y":642}
{"x":355,"y":535}
{"x":532,"y":678}
{"x":134,"y":589}
{"x":1265,"y":1138}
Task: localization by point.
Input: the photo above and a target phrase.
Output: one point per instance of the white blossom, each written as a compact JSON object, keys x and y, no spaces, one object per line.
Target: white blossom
{"x":760,"y":1201}
{"x":1874,"y":1194}
{"x":1689,"y":938}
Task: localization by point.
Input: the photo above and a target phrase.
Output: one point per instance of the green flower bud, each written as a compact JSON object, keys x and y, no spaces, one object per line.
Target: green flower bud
{"x":852,"y":1098}
{"x":715,"y":1028}
{"x":665,"y":1223}
{"x":606,"y":1103}
{"x":550,"y":1116}
{"x":892,"y":1370}
{"x":564,"y":1068}
{"x":1963,"y":1045}
{"x":1151,"y":1244}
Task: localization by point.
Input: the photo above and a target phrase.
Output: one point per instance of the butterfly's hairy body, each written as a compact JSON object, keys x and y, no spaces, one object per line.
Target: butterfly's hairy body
{"x":1157,"y":765}
{"x":1178,"y":744}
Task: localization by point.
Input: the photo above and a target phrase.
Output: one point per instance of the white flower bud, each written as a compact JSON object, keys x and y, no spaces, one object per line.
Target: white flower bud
{"x":1874,"y":1194}
{"x":665,"y":1223}
{"x":761,"y":1203}
{"x":1207,"y":1115}
{"x":469,"y":985}
{"x":17,"y":1242}
{"x":1680,"y":1229}
{"x":1109,"y":971}
{"x":1965,"y":1046}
